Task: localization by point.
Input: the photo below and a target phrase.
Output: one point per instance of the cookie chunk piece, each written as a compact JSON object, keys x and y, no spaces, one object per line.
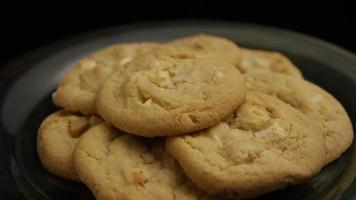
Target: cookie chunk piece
{"x":116,"y":165}
{"x":265,"y":145}
{"x":170,"y":91}
{"x":57,"y":138}
{"x":78,"y":87}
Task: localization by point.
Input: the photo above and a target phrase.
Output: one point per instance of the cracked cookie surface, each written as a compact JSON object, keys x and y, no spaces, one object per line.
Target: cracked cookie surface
{"x":57,"y":138}
{"x":265,"y":145}
{"x":267,"y":61}
{"x":116,"y":165}
{"x":170,"y":91}
{"x":78,"y":87}
{"x":313,"y":101}
{"x":220,"y":47}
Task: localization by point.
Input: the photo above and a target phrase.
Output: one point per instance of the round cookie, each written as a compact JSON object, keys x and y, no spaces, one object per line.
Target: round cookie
{"x":207,"y":44}
{"x":78,"y":87}
{"x":115,"y":165}
{"x":170,"y":91}
{"x":259,"y":60}
{"x":265,"y":145}
{"x":57,"y":138}
{"x":313,"y":101}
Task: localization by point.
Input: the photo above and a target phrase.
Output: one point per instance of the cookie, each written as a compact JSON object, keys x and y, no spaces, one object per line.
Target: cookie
{"x":77,"y":89}
{"x":265,"y":145}
{"x":208,"y":44}
{"x":116,"y":165}
{"x":270,"y":61}
{"x":170,"y":92}
{"x":57,"y":138}
{"x":311,"y":100}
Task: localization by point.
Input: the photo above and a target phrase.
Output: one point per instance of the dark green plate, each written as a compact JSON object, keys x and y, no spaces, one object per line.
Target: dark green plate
{"x":27,"y":83}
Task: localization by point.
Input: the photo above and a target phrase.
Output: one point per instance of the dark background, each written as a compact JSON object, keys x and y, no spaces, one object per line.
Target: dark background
{"x":27,"y":27}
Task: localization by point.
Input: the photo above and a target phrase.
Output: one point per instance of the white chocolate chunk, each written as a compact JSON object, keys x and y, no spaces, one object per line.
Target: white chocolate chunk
{"x":87,"y":64}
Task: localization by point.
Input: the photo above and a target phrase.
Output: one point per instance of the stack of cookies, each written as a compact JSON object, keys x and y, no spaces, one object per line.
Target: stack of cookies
{"x":193,"y":118}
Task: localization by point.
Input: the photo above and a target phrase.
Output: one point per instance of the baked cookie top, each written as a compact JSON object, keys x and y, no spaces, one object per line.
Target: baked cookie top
{"x":115,"y":165}
{"x":268,"y":61}
{"x":57,"y":138}
{"x":311,"y":100}
{"x":265,"y":145}
{"x":208,"y":44}
{"x":170,"y":91}
{"x":77,"y":89}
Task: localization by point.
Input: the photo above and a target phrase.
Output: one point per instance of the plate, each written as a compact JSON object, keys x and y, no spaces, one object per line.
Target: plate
{"x":27,"y":83}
